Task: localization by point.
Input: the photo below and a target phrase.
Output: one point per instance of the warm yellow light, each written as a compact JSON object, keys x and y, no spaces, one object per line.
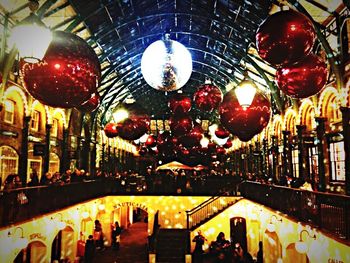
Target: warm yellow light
{"x":204,"y":142}
{"x":101,"y":207}
{"x":84,"y":215}
{"x":61,"y":225}
{"x":301,"y":247}
{"x":271,"y":227}
{"x":212,"y":128}
{"x":120,"y":115}
{"x":31,"y":40}
{"x":245,"y":92}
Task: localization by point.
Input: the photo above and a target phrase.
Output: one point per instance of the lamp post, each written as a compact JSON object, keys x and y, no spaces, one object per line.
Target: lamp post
{"x":245,"y":91}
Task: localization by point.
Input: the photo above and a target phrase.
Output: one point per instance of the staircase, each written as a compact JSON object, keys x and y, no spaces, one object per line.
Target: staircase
{"x":208,"y":210}
{"x":171,"y":245}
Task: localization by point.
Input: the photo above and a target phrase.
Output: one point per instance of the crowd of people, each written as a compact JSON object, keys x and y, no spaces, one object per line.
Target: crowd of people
{"x":222,"y":250}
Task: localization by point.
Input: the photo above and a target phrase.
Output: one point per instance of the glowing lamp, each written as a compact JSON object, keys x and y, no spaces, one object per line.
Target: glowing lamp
{"x":60,"y":224}
{"x":271,"y":227}
{"x":166,"y":65}
{"x":31,"y":38}
{"x":85,"y":215}
{"x":245,"y":92}
{"x":301,"y":245}
{"x":120,"y":115}
{"x":204,"y":142}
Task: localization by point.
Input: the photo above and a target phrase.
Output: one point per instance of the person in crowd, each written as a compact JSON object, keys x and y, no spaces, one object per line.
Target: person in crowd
{"x":90,"y":248}
{"x":47,"y":179}
{"x":240,"y":255}
{"x":34,"y":178}
{"x":98,"y":235}
{"x":220,"y":248}
{"x":9,"y":182}
{"x":116,"y":231}
{"x":198,"y":249}
{"x":260,"y":254}
{"x":66,"y":177}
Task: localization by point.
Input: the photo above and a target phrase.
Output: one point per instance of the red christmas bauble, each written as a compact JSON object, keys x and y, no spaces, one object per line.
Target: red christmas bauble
{"x":304,"y":79}
{"x":220,"y":150}
{"x":207,"y":97}
{"x":91,"y":104}
{"x":221,"y":132}
{"x":180,"y":124}
{"x":68,"y":75}
{"x":193,"y":138}
{"x":111,"y":130}
{"x":228,"y":144}
{"x":179,"y":103}
{"x":151,"y":141}
{"x":245,"y":123}
{"x":136,"y":124}
{"x":285,"y":37}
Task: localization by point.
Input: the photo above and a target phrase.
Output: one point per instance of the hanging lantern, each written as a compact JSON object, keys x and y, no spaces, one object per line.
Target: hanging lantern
{"x":110,"y":130}
{"x":221,"y":132}
{"x":245,"y":91}
{"x":166,"y":65}
{"x":304,"y":79}
{"x":31,"y":38}
{"x":285,"y":37}
{"x":245,"y":122}
{"x":68,"y":75}
{"x":179,"y":104}
{"x":91,"y":104}
{"x":208,"y":97}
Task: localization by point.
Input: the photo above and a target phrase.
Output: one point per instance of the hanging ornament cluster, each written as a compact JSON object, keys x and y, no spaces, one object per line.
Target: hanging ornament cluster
{"x":285,"y":40}
{"x":179,"y":103}
{"x":68,"y":74}
{"x":135,"y":124}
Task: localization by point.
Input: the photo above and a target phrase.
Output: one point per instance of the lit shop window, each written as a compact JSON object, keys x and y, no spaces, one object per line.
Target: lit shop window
{"x":34,"y":124}
{"x":337,"y":159}
{"x":8,"y":162}
{"x":9,"y":115}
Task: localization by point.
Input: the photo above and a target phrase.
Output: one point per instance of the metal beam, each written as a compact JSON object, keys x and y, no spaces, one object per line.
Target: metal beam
{"x":44,"y":7}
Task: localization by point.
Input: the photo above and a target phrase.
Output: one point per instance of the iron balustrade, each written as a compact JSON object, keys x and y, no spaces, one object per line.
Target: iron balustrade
{"x":329,"y":212}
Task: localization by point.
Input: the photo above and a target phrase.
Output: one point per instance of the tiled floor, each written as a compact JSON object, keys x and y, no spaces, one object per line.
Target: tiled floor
{"x":133,"y":247}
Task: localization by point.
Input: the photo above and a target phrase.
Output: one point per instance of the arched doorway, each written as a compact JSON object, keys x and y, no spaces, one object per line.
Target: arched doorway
{"x":54,"y":165}
{"x":63,"y":245}
{"x":272,"y":244}
{"x":292,"y":255}
{"x":35,"y":252}
{"x":8,"y":162}
{"x":238,"y":231}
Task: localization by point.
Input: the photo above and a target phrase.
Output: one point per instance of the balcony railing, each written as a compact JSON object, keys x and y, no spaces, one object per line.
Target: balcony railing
{"x":329,"y":212}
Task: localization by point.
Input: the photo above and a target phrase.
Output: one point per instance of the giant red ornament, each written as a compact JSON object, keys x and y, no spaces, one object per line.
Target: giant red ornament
{"x":179,"y":103}
{"x":151,"y":141}
{"x":304,"y":79}
{"x":193,"y":138}
{"x":285,"y":37}
{"x":221,"y":132}
{"x":180,"y":124}
{"x":111,"y":130}
{"x":91,"y":104}
{"x":68,"y":75}
{"x":207,"y":97}
{"x":137,"y":123}
{"x":245,"y":122}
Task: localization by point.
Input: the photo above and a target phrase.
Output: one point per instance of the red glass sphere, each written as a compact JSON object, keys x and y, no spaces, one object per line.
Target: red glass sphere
{"x":221,"y":132}
{"x":220,"y":150}
{"x":68,"y":75}
{"x":245,"y":123}
{"x":179,"y":103}
{"x":111,"y":130}
{"x":91,"y":104}
{"x":151,"y":141}
{"x":193,"y":138}
{"x":137,"y":123}
{"x":285,"y":37}
{"x":207,"y":97}
{"x":228,"y":144}
{"x":180,"y":124}
{"x":304,"y":79}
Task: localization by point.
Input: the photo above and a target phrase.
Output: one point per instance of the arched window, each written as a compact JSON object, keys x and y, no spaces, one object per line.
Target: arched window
{"x":54,"y":165}
{"x":9,"y":115}
{"x":54,"y":128}
{"x":8,"y":162}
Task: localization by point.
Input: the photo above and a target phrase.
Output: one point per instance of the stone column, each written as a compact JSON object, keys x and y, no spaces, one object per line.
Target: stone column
{"x":64,"y":149}
{"x":320,"y":131}
{"x":47,"y":148}
{"x":301,"y":166}
{"x":285,"y":153}
{"x":346,"y":134}
{"x":265,"y":153}
{"x":274,"y":148}
{"x":23,"y":158}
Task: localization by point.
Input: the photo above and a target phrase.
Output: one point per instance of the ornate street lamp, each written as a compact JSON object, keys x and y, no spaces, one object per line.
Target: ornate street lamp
{"x":245,"y":91}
